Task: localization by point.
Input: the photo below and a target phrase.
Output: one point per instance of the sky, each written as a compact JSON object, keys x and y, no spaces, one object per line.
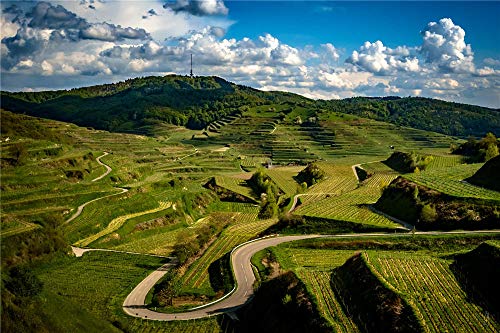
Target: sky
{"x":319,"y":49}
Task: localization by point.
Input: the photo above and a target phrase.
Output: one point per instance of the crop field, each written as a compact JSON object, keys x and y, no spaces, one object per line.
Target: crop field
{"x":433,"y":291}
{"x":318,"y":283}
{"x":339,"y":179}
{"x":450,"y":181}
{"x":422,"y":277}
{"x":246,"y":227}
{"x":313,"y":267}
{"x":351,"y":206}
{"x":444,"y":161}
{"x":116,"y":223}
{"x":165,"y":199}
{"x":235,"y":185}
{"x":227,"y":206}
{"x":283,"y":177}
{"x":13,"y":227}
{"x":109,"y":277}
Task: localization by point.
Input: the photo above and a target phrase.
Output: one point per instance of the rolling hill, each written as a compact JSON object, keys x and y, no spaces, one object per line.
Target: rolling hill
{"x":137,"y":105}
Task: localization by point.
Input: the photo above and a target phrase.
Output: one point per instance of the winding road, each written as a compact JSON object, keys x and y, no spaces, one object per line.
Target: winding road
{"x":108,"y":170}
{"x":134,"y":304}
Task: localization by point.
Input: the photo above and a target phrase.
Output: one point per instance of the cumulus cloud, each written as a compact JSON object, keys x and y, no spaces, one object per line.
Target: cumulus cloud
{"x":110,"y":32}
{"x":47,"y":26}
{"x":46,"y":16}
{"x":377,"y":58}
{"x":444,"y":46}
{"x":331,"y":52}
{"x":198,"y":8}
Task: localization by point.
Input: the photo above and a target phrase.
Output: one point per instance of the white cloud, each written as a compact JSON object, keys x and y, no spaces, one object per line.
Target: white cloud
{"x":331,"y":52}
{"x":444,"y":46}
{"x":78,"y":45}
{"x":377,"y":58}
{"x":198,"y":8}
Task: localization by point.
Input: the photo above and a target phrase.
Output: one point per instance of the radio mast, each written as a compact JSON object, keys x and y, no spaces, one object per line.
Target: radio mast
{"x":191,"y":72}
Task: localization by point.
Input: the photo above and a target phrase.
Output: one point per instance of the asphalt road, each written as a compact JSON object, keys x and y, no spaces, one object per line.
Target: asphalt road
{"x":134,"y":303}
{"x":240,"y":259}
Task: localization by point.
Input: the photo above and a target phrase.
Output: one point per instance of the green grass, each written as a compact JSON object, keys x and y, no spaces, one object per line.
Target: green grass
{"x":450,"y":181}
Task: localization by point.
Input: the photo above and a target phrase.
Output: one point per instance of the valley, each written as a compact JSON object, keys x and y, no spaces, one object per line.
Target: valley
{"x":181,"y":192}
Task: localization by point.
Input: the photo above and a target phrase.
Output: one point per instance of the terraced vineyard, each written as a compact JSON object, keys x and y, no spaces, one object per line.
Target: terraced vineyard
{"x":235,"y":185}
{"x":329,"y":306}
{"x":116,"y":223}
{"x":245,"y":227}
{"x":283,"y":177}
{"x":164,"y":176}
{"x":432,"y":289}
{"x":351,"y":207}
{"x":450,"y":181}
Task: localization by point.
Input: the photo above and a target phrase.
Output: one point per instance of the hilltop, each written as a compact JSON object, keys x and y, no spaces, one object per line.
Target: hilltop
{"x":488,"y":175}
{"x":138,"y":105}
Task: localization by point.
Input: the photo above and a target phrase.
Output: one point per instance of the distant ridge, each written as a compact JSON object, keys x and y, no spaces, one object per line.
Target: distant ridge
{"x":137,"y":104}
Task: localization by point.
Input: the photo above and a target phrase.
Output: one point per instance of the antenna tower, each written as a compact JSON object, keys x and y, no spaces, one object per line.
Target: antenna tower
{"x":191,"y":72}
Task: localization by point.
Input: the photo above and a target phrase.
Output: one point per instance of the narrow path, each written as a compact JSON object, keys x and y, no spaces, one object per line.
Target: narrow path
{"x":108,"y":168}
{"x":181,"y":158}
{"x":116,"y":223}
{"x":295,"y":200}
{"x":80,"y":208}
{"x":134,"y":304}
{"x":79,"y":251}
{"x":354,"y":170}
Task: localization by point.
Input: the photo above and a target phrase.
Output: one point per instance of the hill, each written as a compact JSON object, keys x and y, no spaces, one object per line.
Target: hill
{"x":429,"y":209}
{"x":424,"y":113}
{"x":137,"y":105}
{"x":488,"y":175}
{"x":478,"y":271}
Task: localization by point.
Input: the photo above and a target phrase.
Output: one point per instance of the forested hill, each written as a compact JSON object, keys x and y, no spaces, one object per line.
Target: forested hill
{"x":424,"y":113}
{"x":137,"y":104}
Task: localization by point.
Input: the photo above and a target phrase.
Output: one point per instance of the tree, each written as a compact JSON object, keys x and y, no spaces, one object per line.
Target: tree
{"x":491,"y":152}
{"x":428,"y":214}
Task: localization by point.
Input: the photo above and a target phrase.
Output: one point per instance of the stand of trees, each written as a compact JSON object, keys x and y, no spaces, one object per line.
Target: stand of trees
{"x":477,"y":151}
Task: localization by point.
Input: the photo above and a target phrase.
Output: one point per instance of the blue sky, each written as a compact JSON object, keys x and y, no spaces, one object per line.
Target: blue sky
{"x":349,"y":24}
{"x":320,"y":49}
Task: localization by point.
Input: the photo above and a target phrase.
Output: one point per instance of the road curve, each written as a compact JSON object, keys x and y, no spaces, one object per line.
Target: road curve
{"x":108,"y":168}
{"x":80,"y":208}
{"x":240,"y":259}
{"x":134,"y":304}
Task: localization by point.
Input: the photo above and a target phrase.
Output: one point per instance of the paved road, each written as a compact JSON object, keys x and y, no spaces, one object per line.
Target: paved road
{"x":240,"y":259}
{"x":108,"y":168}
{"x":134,"y":303}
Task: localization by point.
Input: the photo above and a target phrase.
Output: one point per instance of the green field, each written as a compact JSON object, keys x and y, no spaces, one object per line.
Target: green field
{"x":422,"y":276}
{"x":45,"y":179}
